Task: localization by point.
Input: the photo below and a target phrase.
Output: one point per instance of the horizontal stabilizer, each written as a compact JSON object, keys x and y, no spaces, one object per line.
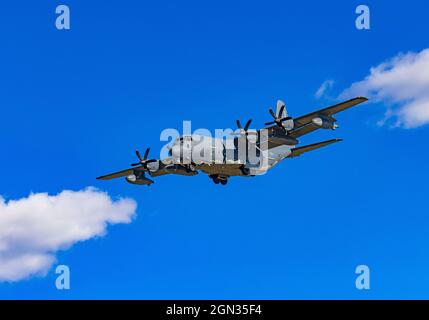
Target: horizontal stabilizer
{"x":296,"y":152}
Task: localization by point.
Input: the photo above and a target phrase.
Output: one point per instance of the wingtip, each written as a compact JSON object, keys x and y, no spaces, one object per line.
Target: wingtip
{"x":362,"y":98}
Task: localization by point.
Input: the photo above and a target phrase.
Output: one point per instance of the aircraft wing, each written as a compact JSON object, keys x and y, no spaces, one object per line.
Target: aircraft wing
{"x":156,"y":173}
{"x":304,"y":125}
{"x":296,"y":152}
{"x":118,"y":174}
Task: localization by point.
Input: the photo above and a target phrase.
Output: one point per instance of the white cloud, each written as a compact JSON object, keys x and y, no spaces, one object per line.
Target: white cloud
{"x":327,"y":84}
{"x":402,"y":83}
{"x":33,"y":229}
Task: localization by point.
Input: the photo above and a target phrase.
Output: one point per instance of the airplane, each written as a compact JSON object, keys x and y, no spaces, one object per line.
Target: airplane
{"x":221,"y":159}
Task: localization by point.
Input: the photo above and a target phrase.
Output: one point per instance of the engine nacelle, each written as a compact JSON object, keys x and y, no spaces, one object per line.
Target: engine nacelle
{"x":288,"y":124}
{"x":142,"y":180}
{"x":153,"y":166}
{"x":324,"y":123}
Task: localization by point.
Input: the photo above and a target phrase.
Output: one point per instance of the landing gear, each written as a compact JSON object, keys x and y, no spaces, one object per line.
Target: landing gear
{"x":244,"y":170}
{"x":190,"y":168}
{"x":218,"y":179}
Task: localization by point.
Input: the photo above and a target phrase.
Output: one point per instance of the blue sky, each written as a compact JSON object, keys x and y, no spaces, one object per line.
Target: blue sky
{"x":75,"y":104}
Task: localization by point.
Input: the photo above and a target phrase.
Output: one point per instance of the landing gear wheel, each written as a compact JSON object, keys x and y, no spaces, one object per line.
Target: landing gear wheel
{"x":215,"y":179}
{"x":245,"y":170}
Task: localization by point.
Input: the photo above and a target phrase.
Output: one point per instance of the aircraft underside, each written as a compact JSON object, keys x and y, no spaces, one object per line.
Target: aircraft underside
{"x":221,"y":159}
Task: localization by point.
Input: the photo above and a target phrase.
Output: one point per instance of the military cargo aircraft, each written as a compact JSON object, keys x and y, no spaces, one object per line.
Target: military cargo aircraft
{"x":246,"y":153}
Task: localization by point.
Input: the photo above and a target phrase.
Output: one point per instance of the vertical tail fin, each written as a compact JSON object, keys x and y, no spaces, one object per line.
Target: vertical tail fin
{"x":281,"y":108}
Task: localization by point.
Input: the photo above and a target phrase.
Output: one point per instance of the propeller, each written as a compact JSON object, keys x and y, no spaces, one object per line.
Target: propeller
{"x":246,"y":127}
{"x":278,"y":119}
{"x":243,"y":130}
{"x":143,"y":160}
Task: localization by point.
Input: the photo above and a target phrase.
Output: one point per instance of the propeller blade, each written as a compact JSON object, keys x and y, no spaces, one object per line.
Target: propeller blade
{"x":139,"y":155}
{"x":239,"y":124}
{"x":246,"y":127}
{"x":269,"y":123}
{"x":272,"y":113}
{"x":146,"y":154}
